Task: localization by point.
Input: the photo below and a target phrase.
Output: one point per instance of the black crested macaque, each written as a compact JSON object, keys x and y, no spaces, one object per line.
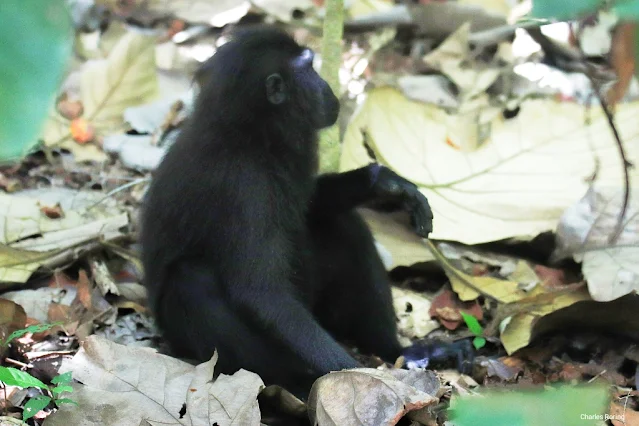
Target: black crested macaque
{"x":246,"y":250}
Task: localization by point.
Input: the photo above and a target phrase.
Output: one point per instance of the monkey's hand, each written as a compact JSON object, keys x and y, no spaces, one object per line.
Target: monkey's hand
{"x":425,"y":352}
{"x":388,"y":184}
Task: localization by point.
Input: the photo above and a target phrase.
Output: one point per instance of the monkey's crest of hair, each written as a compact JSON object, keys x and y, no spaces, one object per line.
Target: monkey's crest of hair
{"x":239,"y":69}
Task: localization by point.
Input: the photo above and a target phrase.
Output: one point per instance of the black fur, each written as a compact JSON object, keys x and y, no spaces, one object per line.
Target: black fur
{"x":245,"y":249}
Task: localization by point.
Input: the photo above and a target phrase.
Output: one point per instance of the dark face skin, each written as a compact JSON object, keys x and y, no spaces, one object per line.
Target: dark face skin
{"x":314,"y":89}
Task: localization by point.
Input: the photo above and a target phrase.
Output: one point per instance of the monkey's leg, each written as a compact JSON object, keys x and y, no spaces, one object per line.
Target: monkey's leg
{"x":196,"y":319}
{"x":355,"y":304}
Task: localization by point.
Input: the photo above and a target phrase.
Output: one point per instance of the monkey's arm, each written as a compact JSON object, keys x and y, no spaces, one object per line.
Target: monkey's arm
{"x":260,"y":289}
{"x":339,"y":192}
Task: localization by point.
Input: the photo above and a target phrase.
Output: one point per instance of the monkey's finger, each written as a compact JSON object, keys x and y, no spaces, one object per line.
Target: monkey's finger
{"x":421,"y":215}
{"x":422,"y":225}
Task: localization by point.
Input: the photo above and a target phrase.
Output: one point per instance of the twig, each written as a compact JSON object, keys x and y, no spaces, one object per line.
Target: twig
{"x":118,"y":189}
{"x":18,"y":363}
{"x":590,"y":73}
{"x":5,"y":410}
{"x":332,"y":35}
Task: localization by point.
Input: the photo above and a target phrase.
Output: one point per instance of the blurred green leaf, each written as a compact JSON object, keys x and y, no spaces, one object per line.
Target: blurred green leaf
{"x":479,"y":342}
{"x":563,"y":9}
{"x":14,"y":377}
{"x":62,"y":378}
{"x":473,"y":325}
{"x":61,"y":401}
{"x":56,"y":391}
{"x":37,"y":328}
{"x":34,"y":405}
{"x":35,"y":44}
{"x":627,"y":9}
{"x":565,"y":406}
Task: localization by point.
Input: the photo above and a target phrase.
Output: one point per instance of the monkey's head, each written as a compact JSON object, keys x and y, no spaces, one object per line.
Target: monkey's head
{"x":263,"y":74}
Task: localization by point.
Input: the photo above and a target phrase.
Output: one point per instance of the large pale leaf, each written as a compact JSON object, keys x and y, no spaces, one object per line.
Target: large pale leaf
{"x":516,"y":185}
{"x":230,"y":400}
{"x":584,"y":232}
{"x":217,"y":13}
{"x":394,"y":234}
{"x":35,"y":43}
{"x":29,"y":239}
{"x":125,"y":386}
{"x":282,"y":9}
{"x":126,"y":78}
{"x":452,"y":56}
{"x":612,"y":272}
{"x":501,"y":7}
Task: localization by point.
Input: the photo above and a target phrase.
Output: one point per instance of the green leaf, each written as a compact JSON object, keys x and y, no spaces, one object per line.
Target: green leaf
{"x":479,"y":342}
{"x":472,"y":323}
{"x":564,"y":9}
{"x":627,"y":9}
{"x":37,"y":328}
{"x":56,"y":391}
{"x":565,"y":405}
{"x":61,"y":401}
{"x":62,"y":378}
{"x":34,"y":405}
{"x":35,"y":44}
{"x":14,"y":377}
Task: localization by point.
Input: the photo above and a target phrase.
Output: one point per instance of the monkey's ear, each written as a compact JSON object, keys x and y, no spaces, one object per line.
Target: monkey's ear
{"x":276,"y":90}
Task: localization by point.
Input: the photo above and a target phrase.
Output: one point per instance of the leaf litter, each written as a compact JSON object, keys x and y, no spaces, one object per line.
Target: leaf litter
{"x":497,"y":184}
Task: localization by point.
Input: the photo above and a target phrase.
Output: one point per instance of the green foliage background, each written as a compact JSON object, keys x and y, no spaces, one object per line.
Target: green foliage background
{"x":573,"y":9}
{"x":35,"y":45}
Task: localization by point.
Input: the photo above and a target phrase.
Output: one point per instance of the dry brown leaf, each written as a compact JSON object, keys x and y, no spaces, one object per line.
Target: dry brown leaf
{"x":447,"y":307}
{"x":622,"y":59}
{"x":12,"y":318}
{"x":36,"y":303}
{"x":125,"y":386}
{"x":518,"y":329}
{"x":365,"y":396}
{"x":229,"y":400}
{"x":84,"y":290}
{"x":59,"y":313}
{"x":52,"y":212}
{"x":469,"y":287}
{"x":584,"y":232}
{"x":622,"y":415}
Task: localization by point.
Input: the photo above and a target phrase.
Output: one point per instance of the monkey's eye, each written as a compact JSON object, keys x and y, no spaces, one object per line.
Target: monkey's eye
{"x":304,"y":60}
